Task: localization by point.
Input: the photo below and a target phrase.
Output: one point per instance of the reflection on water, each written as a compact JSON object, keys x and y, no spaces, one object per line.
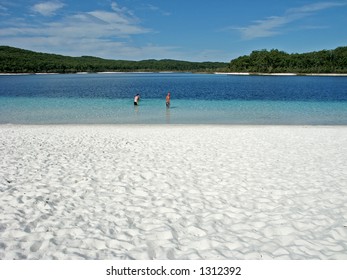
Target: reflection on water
{"x":168,"y":115}
{"x":136,"y":110}
{"x":136,"y":114}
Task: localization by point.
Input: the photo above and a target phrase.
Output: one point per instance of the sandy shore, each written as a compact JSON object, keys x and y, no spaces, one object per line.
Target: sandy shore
{"x":173,"y":192}
{"x":282,"y":74}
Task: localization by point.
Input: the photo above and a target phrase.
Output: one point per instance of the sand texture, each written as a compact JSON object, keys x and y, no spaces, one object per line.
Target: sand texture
{"x":173,"y":192}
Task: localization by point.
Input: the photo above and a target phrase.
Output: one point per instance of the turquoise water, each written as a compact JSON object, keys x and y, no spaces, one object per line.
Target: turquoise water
{"x":152,"y":111}
{"x":196,"y":99}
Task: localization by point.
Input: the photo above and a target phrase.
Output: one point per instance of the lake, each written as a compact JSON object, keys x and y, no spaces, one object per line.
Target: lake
{"x":195,"y":99}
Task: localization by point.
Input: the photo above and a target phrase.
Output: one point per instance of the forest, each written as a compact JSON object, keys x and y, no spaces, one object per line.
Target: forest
{"x":14,"y":60}
{"x":275,"y":61}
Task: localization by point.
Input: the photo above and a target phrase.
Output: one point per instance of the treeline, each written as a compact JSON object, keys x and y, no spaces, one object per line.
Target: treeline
{"x":14,"y":60}
{"x":275,"y":61}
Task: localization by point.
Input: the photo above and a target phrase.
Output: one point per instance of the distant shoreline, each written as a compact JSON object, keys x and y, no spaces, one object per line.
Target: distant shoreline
{"x":282,"y":74}
{"x":88,"y":73}
{"x":173,"y":72}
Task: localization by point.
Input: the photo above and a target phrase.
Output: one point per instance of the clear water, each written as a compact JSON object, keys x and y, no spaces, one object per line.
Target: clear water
{"x":196,"y":99}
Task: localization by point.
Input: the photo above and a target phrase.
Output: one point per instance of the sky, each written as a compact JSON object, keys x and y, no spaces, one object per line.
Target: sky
{"x":192,"y":30}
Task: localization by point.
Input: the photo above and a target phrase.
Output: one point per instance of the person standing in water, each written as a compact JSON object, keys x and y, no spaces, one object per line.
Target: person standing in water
{"x":136,"y":99}
{"x":168,"y":100}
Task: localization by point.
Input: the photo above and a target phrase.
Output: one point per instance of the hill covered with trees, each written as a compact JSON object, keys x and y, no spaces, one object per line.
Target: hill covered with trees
{"x":275,"y":61}
{"x":14,"y":60}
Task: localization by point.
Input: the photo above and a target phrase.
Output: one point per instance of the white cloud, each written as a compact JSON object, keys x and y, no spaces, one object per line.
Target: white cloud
{"x":97,"y":24}
{"x":94,"y":47}
{"x":121,"y":10}
{"x":3,"y":11}
{"x":48,"y":8}
{"x":264,"y":28}
{"x":2,"y":8}
{"x":112,"y":18}
{"x":315,"y":7}
{"x":156,"y":9}
{"x":271,"y":26}
{"x":103,"y":33}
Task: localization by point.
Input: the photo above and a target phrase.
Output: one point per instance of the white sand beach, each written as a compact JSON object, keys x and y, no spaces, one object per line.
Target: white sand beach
{"x":173,"y":192}
{"x":282,"y":74}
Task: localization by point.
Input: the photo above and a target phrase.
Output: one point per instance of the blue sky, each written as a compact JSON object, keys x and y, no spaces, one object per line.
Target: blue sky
{"x":193,"y":30}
